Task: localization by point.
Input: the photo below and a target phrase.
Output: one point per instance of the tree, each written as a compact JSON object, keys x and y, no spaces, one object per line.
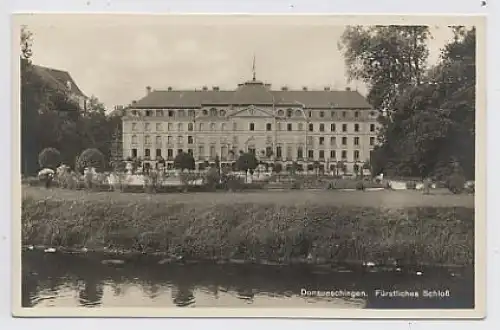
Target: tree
{"x":277,"y":167}
{"x":49,"y":158}
{"x":91,"y":158}
{"x":246,"y":162}
{"x":184,"y":161}
{"x":386,"y":58}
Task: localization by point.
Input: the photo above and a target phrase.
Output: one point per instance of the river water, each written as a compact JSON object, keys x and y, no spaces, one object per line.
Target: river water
{"x":64,"y":280}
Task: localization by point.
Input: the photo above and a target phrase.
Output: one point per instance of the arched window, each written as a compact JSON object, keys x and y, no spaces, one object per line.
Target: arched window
{"x":281,"y":113}
{"x":205,"y":112}
{"x":289,"y":112}
{"x":213,"y":112}
{"x":298,"y":113}
{"x":223,"y":113}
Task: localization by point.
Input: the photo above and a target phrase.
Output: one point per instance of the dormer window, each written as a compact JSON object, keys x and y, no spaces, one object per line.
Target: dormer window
{"x":148,"y":113}
{"x":68,"y":85}
{"x":281,"y":113}
{"x":205,"y":112}
{"x":213,"y":112}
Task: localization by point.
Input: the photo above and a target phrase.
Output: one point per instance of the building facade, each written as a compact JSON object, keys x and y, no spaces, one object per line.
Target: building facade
{"x":304,"y":126}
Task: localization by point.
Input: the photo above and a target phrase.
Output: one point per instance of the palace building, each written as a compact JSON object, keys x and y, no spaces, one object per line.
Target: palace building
{"x":306,"y":126}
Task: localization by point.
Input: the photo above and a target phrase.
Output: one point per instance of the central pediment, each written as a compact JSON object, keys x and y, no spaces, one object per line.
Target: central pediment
{"x":252,"y":111}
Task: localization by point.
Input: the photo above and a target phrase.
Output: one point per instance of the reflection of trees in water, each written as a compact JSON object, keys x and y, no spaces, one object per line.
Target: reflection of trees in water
{"x":118,"y":288}
{"x":182,"y":295}
{"x":29,"y":290}
{"x":151,"y":289}
{"x":245,"y":294}
{"x":91,"y":292}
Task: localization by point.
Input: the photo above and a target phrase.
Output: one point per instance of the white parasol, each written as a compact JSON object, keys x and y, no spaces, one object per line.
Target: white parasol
{"x":46,"y":171}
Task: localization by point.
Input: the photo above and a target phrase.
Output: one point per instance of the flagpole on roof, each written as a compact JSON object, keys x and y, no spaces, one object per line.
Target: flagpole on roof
{"x":253,"y":67}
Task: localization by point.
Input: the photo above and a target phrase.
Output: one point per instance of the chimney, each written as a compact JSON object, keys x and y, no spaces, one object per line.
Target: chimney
{"x":327,"y":88}
{"x":205,"y":88}
{"x":148,"y":90}
{"x":304,"y":88}
{"x":169,"y":88}
{"x":215,"y":88}
{"x":348,"y":89}
{"x":284,"y":88}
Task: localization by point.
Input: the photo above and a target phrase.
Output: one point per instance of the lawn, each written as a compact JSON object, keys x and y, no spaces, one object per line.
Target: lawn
{"x":385,"y":198}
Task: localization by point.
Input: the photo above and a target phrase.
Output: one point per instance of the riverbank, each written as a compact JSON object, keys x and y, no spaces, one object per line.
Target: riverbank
{"x":318,"y":227}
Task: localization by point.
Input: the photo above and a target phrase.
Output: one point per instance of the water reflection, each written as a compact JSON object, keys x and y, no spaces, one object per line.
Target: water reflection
{"x":69,"y":280}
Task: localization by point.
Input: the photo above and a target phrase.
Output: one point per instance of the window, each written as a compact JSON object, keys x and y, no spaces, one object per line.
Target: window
{"x":289,"y":127}
{"x":252,"y":126}
{"x":310,"y":114}
{"x":344,"y":154}
{"x":344,"y":114}
{"x":333,"y":128}
{"x":333,"y":141}
{"x":222,"y":113}
{"x":269,"y":139}
{"x":298,"y":113}
{"x":332,"y":114}
{"x":281,"y":113}
{"x":179,"y":151}
{"x":356,"y":141}
{"x":134,"y":112}
{"x":344,"y":141}
{"x":268,"y":127}
{"x":321,"y":114}
{"x":311,"y":127}
{"x":147,"y":153}
{"x":170,"y":153}
{"x":191,"y":113}
{"x":134,"y":139}
{"x":205,"y":112}
{"x":180,"y":127}
{"x":372,"y":127}
{"x":372,"y":141}
{"x":212,"y":151}
{"x":322,"y":154}
{"x":344,"y":127}
{"x":235,"y":126}
{"x":147,"y":127}
{"x":190,"y":127}
{"x":309,"y":140}
{"x":321,"y":141}
{"x":158,"y":127}
{"x":356,"y":127}
{"x":213,"y":112}
{"x":356,"y":154}
{"x":170,"y":126}
{"x":159,"y":113}
{"x":333,"y":154}
{"x":190,"y":140}
{"x":223,"y":127}
{"x":134,"y":126}
{"x":148,"y":113}
{"x":372,"y":113}
{"x":170,"y":113}
{"x":169,"y":139}
{"x":180,"y":139}
{"x":201,"y":151}
{"x":158,"y":152}
{"x":269,"y":151}
{"x":190,"y":151}
{"x":300,"y":127}
{"x":201,"y":127}
{"x":300,"y":153}
{"x":134,"y":153}
{"x":321,"y":127}
{"x":289,"y":152}
{"x":289,"y":113}
{"x":147,"y":139}
{"x":278,"y":126}
{"x":278,"y":152}
{"x":212,"y":126}
{"x":310,"y":154}
{"x":235,"y":140}
{"x":251,"y":150}
{"x":158,"y":140}
{"x":356,"y":114}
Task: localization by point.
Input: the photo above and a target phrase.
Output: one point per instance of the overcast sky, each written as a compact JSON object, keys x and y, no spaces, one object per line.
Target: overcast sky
{"x":116,"y":60}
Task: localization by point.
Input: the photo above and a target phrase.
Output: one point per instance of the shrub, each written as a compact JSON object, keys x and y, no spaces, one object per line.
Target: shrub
{"x":412,"y":185}
{"x":184,"y":161}
{"x":297,"y":185}
{"x":234,"y":183}
{"x":456,"y":183}
{"x":212,"y":178}
{"x":49,"y":158}
{"x":360,"y":185}
{"x":90,"y":158}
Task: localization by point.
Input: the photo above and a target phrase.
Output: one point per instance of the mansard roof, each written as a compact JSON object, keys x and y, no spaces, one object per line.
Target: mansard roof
{"x":253,"y":92}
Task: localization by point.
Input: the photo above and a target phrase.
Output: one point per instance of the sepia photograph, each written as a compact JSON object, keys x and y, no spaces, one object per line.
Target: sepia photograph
{"x":248,"y":165}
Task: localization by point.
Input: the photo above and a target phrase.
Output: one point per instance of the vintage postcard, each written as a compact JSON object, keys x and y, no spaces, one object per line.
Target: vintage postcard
{"x":298,"y":166}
